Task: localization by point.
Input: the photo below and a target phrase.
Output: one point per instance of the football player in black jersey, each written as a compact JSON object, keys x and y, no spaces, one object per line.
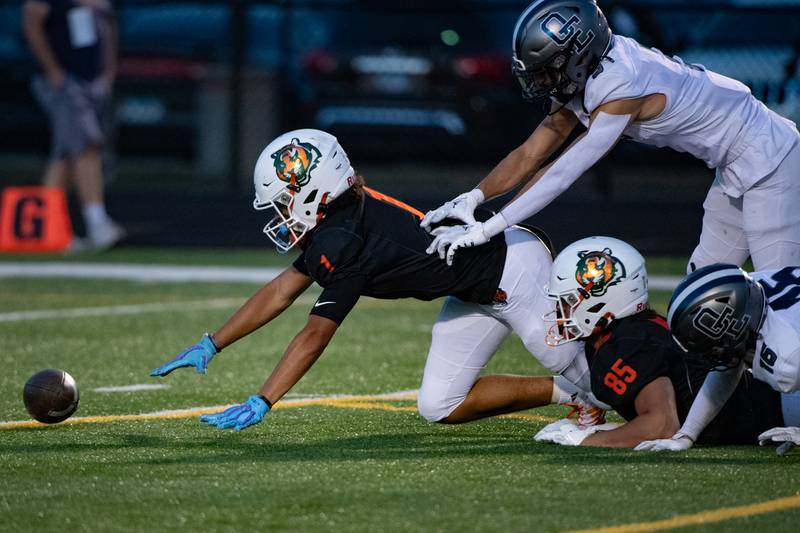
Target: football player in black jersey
{"x":357,"y":242}
{"x":600,"y":285}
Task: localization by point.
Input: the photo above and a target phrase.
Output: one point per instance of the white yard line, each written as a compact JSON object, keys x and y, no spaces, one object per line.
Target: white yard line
{"x":664,"y":283}
{"x":115,"y":310}
{"x":132,"y":309}
{"x":133,"y":388}
{"x":181,"y":274}
{"x":137,"y":272}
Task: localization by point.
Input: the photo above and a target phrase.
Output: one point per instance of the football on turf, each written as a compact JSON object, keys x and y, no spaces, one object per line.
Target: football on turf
{"x":51,"y":396}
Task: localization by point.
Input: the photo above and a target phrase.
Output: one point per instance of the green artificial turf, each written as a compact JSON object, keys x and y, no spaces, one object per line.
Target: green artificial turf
{"x":317,"y":467}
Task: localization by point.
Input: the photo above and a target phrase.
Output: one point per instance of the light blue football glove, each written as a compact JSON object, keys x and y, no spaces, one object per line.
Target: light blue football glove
{"x":197,"y":355}
{"x":239,"y":416}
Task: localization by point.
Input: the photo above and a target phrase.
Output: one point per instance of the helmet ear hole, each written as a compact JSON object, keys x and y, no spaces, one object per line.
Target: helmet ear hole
{"x":596,"y":308}
{"x":311,"y":197}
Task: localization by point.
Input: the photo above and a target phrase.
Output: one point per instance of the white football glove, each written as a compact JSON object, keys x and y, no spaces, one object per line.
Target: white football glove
{"x":549,"y":432}
{"x":788,"y":437}
{"x":443,"y":236}
{"x":473,"y":236}
{"x":462,"y":207}
{"x":567,"y":433}
{"x":677,"y":443}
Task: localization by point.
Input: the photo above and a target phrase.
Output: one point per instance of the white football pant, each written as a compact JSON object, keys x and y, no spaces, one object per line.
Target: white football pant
{"x":764,"y":223}
{"x":467,"y":335}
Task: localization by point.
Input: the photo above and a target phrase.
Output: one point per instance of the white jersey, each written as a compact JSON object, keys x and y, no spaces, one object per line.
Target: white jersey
{"x":708,"y":115}
{"x":777,"y":356}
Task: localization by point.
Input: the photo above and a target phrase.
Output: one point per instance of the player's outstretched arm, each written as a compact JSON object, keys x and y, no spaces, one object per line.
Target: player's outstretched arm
{"x":520,"y":164}
{"x":603,"y":133}
{"x":523,"y":162}
{"x":657,"y":418}
{"x":301,"y":354}
{"x":266,"y":304}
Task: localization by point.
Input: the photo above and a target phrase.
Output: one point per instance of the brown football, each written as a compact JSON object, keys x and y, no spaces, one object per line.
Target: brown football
{"x":51,"y":396}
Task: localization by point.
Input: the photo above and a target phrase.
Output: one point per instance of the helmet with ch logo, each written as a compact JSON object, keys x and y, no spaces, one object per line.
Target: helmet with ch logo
{"x":557,"y":46}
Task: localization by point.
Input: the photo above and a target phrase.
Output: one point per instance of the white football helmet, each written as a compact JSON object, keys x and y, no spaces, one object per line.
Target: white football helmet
{"x":298,"y":174}
{"x":594,"y":281}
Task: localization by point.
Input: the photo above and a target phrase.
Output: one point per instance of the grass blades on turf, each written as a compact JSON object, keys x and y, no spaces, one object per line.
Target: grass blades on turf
{"x":357,"y":466}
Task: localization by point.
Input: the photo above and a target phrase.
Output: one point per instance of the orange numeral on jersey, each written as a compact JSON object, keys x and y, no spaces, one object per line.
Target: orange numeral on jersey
{"x":619,"y":377}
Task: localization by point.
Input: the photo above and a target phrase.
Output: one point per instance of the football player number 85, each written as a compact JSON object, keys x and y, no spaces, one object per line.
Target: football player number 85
{"x":619,"y":377}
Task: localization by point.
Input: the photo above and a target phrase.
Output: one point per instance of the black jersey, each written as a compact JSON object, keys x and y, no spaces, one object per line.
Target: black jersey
{"x":376,"y":248}
{"x":639,"y":349}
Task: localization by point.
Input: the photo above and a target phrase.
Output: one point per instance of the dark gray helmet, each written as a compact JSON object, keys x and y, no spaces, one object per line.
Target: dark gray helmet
{"x":557,"y":45}
{"x":716,"y":312}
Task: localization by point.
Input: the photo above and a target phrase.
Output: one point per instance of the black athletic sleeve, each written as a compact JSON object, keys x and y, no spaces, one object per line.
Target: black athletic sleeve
{"x":334,"y":261}
{"x":300,"y":264}
{"x":622,"y":367}
{"x":338,"y":298}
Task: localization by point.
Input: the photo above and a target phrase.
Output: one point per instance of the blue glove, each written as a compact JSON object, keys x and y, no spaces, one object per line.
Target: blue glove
{"x":240,"y":416}
{"x":198,"y":355}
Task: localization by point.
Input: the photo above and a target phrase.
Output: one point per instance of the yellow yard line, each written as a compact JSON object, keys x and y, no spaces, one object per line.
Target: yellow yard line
{"x":532,"y":418}
{"x":345,"y":402}
{"x":704,"y":517}
{"x":373,"y":405}
{"x":115,"y":418}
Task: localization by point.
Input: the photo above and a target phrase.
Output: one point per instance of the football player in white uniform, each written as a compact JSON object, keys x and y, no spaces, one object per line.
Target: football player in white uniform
{"x":564,"y":50}
{"x":733,"y":320}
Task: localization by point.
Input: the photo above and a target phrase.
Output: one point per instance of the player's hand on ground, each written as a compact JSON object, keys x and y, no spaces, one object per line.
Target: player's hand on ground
{"x":567,"y":433}
{"x":550,"y":432}
{"x":239,"y":416}
{"x":462,"y":207}
{"x":677,"y":443}
{"x":776,"y":435}
{"x":197,"y":355}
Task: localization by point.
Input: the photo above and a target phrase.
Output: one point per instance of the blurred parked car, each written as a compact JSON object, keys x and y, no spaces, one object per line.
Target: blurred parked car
{"x":410,"y":82}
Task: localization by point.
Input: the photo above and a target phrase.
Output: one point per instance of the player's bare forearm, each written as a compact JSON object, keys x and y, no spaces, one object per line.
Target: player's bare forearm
{"x":34,"y":14}
{"x":657,"y":419}
{"x":525,"y":160}
{"x":266,"y":304}
{"x":626,"y":107}
{"x":299,"y":357}
{"x":649,"y":426}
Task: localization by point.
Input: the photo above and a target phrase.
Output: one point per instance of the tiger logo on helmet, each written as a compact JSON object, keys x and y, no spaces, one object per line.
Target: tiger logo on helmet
{"x":294,"y":163}
{"x":596,"y":271}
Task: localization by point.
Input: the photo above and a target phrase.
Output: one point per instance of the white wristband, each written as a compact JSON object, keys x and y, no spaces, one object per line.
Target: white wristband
{"x":477,"y":195}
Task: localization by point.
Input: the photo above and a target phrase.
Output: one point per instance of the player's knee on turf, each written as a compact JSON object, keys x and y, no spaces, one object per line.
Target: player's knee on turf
{"x":435,"y":407}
